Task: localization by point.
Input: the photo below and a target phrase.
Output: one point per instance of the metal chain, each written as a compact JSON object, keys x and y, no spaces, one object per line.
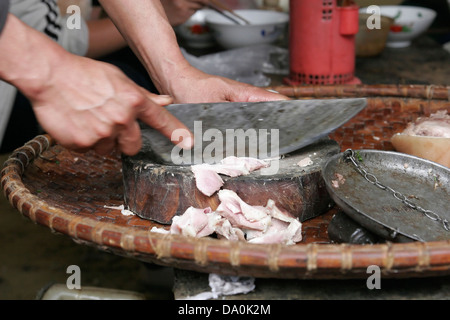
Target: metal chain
{"x":349,"y":154}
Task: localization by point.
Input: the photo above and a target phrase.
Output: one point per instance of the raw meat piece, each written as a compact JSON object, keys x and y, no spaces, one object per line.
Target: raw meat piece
{"x":226,"y":230}
{"x":199,"y":223}
{"x":305,"y":162}
{"x":340,"y":180}
{"x":241,"y":214}
{"x":282,"y":229}
{"x":207,"y":177}
{"x":194,"y":222}
{"x":276,"y":213}
{"x":278,"y":232}
{"x":236,"y":220}
{"x":260,"y":224}
{"x":437,"y":125}
{"x":250,"y":164}
{"x":427,"y":138}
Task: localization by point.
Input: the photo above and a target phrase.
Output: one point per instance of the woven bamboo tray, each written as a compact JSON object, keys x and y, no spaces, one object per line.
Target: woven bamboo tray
{"x":67,"y":192}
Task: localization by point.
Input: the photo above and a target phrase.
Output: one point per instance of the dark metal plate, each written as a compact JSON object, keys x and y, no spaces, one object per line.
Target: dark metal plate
{"x":423,"y":182}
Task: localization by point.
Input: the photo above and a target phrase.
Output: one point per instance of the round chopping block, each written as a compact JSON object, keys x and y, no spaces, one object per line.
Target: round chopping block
{"x":159,"y":191}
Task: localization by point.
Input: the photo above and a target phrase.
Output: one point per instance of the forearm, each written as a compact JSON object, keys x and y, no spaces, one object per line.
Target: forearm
{"x":81,"y":102}
{"x":145,"y":26}
{"x":104,"y":38}
{"x":152,"y":38}
{"x":38,"y":56}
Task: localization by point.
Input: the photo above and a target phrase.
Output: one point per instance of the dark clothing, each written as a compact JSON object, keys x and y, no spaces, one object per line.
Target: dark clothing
{"x":4,"y":9}
{"x":22,"y":125}
{"x":126,"y":60}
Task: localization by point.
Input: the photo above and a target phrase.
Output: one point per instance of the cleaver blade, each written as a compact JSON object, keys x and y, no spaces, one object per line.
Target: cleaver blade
{"x":249,"y":129}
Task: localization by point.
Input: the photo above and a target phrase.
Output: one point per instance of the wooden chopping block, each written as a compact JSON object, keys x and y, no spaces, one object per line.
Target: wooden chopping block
{"x":159,"y":192}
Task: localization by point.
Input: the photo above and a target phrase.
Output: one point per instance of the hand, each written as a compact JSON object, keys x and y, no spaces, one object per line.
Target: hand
{"x":81,"y":103}
{"x":179,"y":11}
{"x":158,"y":49}
{"x":217,"y":89}
{"x":88,"y":104}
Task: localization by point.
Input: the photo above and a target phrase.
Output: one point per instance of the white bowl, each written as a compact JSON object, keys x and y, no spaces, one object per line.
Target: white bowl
{"x":409,"y":23}
{"x":266,"y":27}
{"x":195,"y":33}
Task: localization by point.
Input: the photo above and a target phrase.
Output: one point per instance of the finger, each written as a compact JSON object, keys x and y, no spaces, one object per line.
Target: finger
{"x":162,"y":120}
{"x":162,"y":100}
{"x":253,"y":94}
{"x":105,"y":146}
{"x":129,"y":139}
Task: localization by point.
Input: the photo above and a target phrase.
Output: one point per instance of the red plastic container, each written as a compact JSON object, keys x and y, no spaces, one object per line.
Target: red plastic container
{"x":322,"y":42}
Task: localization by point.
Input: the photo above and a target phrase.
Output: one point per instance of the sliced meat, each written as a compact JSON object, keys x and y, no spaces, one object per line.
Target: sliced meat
{"x":207,"y":177}
{"x":236,"y":220}
{"x":278,"y":232}
{"x":241,"y":214}
{"x":194,"y":222}
{"x":282,"y":229}
{"x":247,"y":163}
{"x":276,"y":213}
{"x":224,"y":229}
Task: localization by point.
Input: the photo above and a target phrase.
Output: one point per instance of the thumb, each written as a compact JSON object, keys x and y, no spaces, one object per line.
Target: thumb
{"x":162,"y":100}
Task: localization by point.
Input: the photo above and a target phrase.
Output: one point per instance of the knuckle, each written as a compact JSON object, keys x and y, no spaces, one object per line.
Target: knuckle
{"x":103,"y":131}
{"x":125,"y":117}
{"x":135,"y":98}
{"x":82,"y":141}
{"x":163,"y":120}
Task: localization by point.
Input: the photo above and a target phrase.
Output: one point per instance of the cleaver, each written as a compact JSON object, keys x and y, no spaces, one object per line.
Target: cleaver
{"x":261,"y":130}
